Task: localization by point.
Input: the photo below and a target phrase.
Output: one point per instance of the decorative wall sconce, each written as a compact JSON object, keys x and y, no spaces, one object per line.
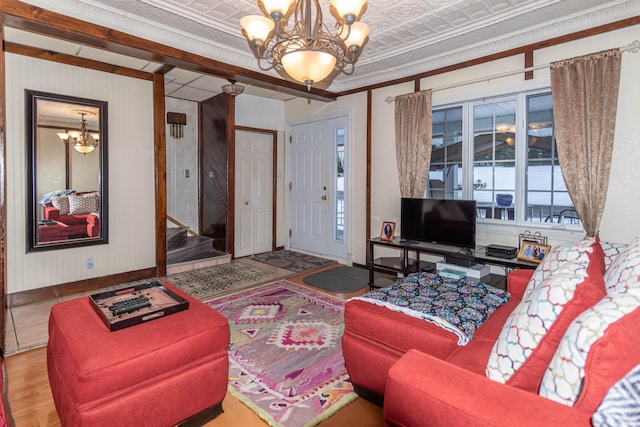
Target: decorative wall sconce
{"x":176,"y":122}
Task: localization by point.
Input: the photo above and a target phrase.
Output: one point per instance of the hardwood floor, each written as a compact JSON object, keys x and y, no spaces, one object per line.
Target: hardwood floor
{"x":31,"y":402}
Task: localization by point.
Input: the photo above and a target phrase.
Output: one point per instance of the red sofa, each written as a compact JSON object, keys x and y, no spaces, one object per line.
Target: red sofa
{"x":79,"y":224}
{"x":423,"y":377}
{"x":375,"y":338}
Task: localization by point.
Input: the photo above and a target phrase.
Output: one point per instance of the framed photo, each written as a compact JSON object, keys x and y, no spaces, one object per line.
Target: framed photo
{"x":388,"y":228}
{"x":533,"y":251}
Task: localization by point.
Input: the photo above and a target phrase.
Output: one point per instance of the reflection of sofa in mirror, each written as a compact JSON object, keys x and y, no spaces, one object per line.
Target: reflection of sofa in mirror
{"x":77,"y":211}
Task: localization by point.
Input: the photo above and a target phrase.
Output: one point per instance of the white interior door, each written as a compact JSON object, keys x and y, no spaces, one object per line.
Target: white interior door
{"x":317,"y":191}
{"x":253,"y":193}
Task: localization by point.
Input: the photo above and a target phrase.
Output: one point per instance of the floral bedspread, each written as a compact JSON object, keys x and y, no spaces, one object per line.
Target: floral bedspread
{"x":459,"y":306}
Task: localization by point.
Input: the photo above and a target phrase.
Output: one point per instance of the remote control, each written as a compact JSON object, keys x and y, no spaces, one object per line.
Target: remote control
{"x":127,"y":306}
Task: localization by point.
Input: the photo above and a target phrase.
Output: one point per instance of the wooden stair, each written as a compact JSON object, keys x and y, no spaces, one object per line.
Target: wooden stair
{"x":185,"y":248}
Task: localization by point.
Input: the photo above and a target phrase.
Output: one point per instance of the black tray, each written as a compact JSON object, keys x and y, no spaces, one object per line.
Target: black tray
{"x":162,"y":301}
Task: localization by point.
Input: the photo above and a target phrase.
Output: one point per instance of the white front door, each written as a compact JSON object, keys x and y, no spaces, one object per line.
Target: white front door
{"x":253,"y":193}
{"x":317,"y":197}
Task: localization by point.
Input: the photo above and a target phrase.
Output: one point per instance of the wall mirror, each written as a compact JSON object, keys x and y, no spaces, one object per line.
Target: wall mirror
{"x":66,"y":171}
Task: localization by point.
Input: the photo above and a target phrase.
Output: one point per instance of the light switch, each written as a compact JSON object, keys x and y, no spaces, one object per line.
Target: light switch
{"x":187,"y":173}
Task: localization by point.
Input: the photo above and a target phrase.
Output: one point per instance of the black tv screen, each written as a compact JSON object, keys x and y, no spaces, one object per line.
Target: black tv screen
{"x":447,"y":222}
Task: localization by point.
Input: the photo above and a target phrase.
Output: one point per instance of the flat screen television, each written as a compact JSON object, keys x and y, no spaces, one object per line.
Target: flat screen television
{"x":446,"y":222}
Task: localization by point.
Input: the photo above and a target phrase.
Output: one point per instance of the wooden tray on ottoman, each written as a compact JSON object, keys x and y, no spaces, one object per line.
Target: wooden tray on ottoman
{"x":137,"y":304}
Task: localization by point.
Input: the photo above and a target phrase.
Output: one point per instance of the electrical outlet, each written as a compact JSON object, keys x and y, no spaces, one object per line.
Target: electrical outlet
{"x":89,"y":262}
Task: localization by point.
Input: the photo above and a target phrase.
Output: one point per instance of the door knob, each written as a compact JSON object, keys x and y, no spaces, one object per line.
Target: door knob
{"x":324,"y":197}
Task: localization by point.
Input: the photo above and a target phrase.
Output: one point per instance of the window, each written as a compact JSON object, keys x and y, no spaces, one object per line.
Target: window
{"x":445,"y":173}
{"x":501,"y":152}
{"x":339,"y":202}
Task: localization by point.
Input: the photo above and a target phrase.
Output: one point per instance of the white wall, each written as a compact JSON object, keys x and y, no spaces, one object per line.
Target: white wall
{"x":620,"y":222}
{"x":131,"y":175}
{"x":182,"y":156}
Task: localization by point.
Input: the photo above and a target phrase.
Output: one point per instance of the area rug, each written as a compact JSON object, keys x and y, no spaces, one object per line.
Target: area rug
{"x":341,"y":279}
{"x":285,"y":353}
{"x":209,"y":282}
{"x":291,"y":260}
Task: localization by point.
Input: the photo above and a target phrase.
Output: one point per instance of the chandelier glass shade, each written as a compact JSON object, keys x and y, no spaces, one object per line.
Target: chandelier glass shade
{"x":305,"y":49}
{"x":233,"y":88}
{"x":83,"y":140}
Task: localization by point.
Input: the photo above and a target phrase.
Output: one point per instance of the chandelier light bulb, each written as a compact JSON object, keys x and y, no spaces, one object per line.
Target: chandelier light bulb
{"x":308,"y":66}
{"x":348,"y":9}
{"x":257,"y":28}
{"x":358,"y":32}
{"x":278,"y":8}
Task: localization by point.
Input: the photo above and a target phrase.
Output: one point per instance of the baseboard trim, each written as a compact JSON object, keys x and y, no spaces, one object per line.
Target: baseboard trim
{"x":80,"y":286}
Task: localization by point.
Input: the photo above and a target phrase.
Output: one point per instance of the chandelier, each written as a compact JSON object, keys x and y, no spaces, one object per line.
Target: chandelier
{"x":233,"y":88}
{"x":306,"y":49}
{"x":82,"y":139}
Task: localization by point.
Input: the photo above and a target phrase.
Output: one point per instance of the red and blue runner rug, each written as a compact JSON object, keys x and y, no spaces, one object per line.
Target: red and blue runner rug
{"x":285,"y":353}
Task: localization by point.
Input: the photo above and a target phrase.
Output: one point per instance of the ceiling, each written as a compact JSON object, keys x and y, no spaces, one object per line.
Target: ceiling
{"x":407,"y":37}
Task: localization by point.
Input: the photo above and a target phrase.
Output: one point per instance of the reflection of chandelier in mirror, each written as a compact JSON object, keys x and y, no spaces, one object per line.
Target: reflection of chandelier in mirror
{"x":307,"y":51}
{"x":82,"y":139}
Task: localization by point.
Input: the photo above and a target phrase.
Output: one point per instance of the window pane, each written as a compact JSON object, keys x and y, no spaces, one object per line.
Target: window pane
{"x":494,"y":171}
{"x":445,"y":173}
{"x":547,"y":196}
{"x":339,"y":202}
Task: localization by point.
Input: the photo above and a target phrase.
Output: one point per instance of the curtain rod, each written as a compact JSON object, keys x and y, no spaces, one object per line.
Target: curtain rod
{"x":632,"y":47}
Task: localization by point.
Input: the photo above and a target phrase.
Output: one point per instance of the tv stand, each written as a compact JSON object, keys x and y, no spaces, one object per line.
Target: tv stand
{"x":404,"y":264}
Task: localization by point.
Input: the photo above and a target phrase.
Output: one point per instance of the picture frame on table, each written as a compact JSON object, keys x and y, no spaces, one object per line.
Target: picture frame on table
{"x":387,"y":231}
{"x":533,"y":251}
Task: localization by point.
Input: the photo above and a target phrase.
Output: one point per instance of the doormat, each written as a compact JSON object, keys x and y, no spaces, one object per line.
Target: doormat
{"x":285,"y":353}
{"x":341,"y":279}
{"x":296,"y":262}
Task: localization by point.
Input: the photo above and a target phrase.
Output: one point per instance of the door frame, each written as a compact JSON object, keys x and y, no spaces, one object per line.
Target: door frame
{"x":274,"y":181}
{"x":348,"y":174}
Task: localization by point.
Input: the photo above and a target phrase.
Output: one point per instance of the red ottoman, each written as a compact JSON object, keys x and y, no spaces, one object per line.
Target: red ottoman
{"x":158,"y":373}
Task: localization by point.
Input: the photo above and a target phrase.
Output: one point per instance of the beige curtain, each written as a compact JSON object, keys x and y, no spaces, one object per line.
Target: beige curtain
{"x":413,"y":142}
{"x":585,"y":99}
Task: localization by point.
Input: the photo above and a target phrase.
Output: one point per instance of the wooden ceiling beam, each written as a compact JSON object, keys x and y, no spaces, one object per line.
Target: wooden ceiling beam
{"x":64,"y":58}
{"x":31,"y":18}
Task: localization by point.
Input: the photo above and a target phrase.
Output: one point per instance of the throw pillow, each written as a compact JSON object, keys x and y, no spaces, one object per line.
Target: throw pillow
{"x":83,"y":204}
{"x":621,"y":405}
{"x":61,"y":203}
{"x":558,"y":256}
{"x":598,"y":349}
{"x":611,"y":252}
{"x":623,"y":273}
{"x":531,"y":334}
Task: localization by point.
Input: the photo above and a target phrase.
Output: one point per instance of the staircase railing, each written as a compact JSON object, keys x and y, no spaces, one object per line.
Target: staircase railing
{"x":179,"y":224}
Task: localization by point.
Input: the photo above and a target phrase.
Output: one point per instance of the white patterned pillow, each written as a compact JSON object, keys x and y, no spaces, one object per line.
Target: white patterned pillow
{"x":623,"y":275}
{"x":83,"y":204}
{"x":603,"y":323}
{"x":61,"y":203}
{"x":611,"y":252}
{"x":531,"y":333}
{"x":558,"y":255}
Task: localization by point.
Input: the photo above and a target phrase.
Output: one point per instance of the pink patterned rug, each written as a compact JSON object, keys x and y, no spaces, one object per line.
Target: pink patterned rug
{"x":285,"y":354}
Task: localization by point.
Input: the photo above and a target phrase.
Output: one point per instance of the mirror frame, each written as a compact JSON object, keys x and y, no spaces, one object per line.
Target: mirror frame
{"x":31,"y":114}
